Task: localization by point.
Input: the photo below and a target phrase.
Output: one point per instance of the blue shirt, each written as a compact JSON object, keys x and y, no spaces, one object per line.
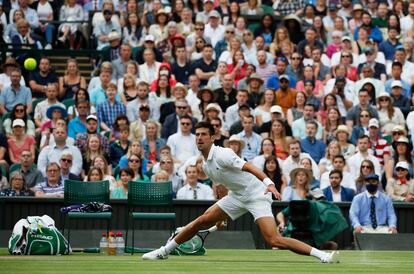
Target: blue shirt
{"x":289,"y":194}
{"x":9,"y":97}
{"x":406,"y":92}
{"x":98,"y":96}
{"x":316,"y":149}
{"x":388,"y":49}
{"x":273,"y":82}
{"x":107,"y":112}
{"x":252,"y":145}
{"x":360,"y":210}
{"x":76,"y":126}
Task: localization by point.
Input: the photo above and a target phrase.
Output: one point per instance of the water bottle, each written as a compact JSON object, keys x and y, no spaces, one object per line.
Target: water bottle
{"x":103,"y":244}
{"x":111,"y":244}
{"x":120,"y":244}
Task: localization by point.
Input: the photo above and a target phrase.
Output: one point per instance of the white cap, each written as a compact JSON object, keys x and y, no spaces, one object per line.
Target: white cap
{"x":373,"y":122}
{"x":149,"y":37}
{"x":402,"y":164}
{"x":206,"y":1}
{"x":276,"y":109}
{"x":346,"y":38}
{"x":91,"y":116}
{"x":18,"y":122}
{"x":396,"y":83}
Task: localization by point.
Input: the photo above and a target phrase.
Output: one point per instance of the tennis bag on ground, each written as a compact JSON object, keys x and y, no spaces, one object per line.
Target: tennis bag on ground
{"x":37,"y":235}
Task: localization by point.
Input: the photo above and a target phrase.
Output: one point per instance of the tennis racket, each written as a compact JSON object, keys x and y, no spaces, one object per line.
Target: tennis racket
{"x":196,"y":243}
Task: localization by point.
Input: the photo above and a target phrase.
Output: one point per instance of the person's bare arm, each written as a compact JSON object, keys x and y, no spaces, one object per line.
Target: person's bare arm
{"x":204,"y":75}
{"x":36,"y":87}
{"x":248,"y":167}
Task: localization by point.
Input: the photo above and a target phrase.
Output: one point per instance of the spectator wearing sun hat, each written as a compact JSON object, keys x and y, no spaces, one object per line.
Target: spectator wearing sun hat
{"x":53,"y":114}
{"x":389,"y":116}
{"x":40,"y":111}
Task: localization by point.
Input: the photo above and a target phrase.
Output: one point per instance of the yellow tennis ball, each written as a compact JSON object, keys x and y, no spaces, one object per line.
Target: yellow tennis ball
{"x":30,"y":64}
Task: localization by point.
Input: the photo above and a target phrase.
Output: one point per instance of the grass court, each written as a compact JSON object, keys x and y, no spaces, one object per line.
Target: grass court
{"x":215,"y":261}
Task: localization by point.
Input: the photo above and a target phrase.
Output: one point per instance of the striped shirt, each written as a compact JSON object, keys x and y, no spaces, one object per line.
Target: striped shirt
{"x":49,"y":189}
{"x":107,"y":112}
{"x":379,"y":149}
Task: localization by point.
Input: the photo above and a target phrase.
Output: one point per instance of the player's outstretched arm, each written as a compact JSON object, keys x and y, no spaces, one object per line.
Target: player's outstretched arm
{"x":270,"y":186}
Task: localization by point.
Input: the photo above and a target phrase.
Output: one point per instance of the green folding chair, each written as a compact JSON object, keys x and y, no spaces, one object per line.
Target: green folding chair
{"x":148,"y":194}
{"x":79,"y":192}
{"x":68,"y":103}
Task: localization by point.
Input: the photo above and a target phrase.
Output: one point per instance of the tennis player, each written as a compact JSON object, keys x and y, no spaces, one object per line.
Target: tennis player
{"x":250,"y":191}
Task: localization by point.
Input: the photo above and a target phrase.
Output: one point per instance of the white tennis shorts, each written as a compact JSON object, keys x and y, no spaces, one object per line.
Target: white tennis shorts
{"x":258,"y":205}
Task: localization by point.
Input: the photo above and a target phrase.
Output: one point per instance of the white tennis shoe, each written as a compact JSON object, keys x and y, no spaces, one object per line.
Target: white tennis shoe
{"x":157,"y":254}
{"x":331,"y":258}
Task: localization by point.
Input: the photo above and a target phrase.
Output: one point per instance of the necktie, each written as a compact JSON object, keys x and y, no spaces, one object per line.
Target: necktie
{"x":95,"y":4}
{"x":195,"y":194}
{"x":372,"y":214}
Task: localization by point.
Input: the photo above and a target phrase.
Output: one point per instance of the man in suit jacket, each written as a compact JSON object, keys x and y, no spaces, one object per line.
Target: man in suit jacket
{"x":336,"y":192}
{"x":148,"y":71}
{"x":65,"y":163}
{"x":170,"y":125}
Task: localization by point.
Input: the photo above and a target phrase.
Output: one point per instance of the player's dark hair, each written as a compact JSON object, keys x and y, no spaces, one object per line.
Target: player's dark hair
{"x":204,"y":124}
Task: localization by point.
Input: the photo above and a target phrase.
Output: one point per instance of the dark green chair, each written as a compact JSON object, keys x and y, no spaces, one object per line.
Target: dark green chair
{"x":15,"y":167}
{"x":148,"y":194}
{"x":68,"y":103}
{"x":79,"y":192}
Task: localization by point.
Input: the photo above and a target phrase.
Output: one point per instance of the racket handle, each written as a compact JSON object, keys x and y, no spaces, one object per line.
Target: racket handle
{"x":213,"y":228}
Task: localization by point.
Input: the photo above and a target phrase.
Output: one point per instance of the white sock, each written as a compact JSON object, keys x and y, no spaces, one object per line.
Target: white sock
{"x":170,"y":246}
{"x":318,"y":253}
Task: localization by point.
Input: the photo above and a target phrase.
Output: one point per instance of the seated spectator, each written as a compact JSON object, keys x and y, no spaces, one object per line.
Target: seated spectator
{"x":8,"y":67}
{"x":52,"y":154}
{"x":119,"y":147}
{"x":256,"y":91}
{"x":162,"y":95}
{"x":39,"y":80}
{"x":354,"y":162}
{"x":81,"y":95}
{"x":296,"y":112}
{"x":202,"y":177}
{"x":354,"y":113}
{"x":53,"y":186}
{"x":192,"y":189}
{"x":226,"y":95}
{"x":108,"y":110}
{"x":339,"y":163}
{"x":219,"y":137}
{"x":379,"y":69}
{"x":232,"y":112}
{"x":402,"y":153}
{"x":275,"y":113}
{"x":24,"y":39}
{"x":326,"y":163}
{"x":279,"y":138}
{"x":91,"y":129}
{"x":183,"y":144}
{"x":342,"y":135}
{"x":299,"y":126}
{"x":103,"y":28}
{"x":285,"y":96}
{"x":40,"y":112}
{"x":401,"y":187}
{"x":98,"y":94}
{"x":121,"y":121}
{"x":136,"y":148}
{"x":54,"y":115}
{"x":70,"y":11}
{"x":361,"y":128}
{"x":161,"y":176}
{"x":30,"y":173}
{"x":19,"y":142}
{"x":315,"y":148}
{"x":250,"y":138}
{"x":148,"y":71}
{"x":396,"y":71}
{"x":167,"y":164}
{"x":301,"y":178}
{"x":389,"y":116}
{"x":78,"y":125}
{"x":15,"y":94}
{"x":294,"y":159}
{"x":72,"y":81}
{"x":377,"y":145}
{"x":137,"y":128}
{"x":11,"y":28}
{"x":19,"y":112}
{"x":336,"y":192}
{"x":267,"y":149}
{"x":133,"y":107}
{"x":237,"y":127}
{"x":262,"y":111}
{"x":65,"y":163}
{"x":399,"y":101}
{"x":100,"y":162}
{"x":95,"y":174}
{"x":94,"y":148}
{"x":121,"y":192}
{"x":333,"y":121}
{"x":236,"y":144}
{"x":272,"y":169}
{"x":17,"y":188}
{"x":372,"y":211}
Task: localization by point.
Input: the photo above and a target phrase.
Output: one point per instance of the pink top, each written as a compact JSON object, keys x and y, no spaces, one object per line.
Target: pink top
{"x":240,"y":74}
{"x":332,"y":48}
{"x":17,"y":151}
{"x":300,"y":86}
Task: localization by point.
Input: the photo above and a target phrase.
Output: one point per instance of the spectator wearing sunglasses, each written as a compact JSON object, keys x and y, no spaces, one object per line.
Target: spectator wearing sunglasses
{"x":19,"y":112}
{"x":65,"y":163}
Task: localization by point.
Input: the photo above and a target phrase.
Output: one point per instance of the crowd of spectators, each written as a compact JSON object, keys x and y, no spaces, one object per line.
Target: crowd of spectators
{"x":318,"y":94}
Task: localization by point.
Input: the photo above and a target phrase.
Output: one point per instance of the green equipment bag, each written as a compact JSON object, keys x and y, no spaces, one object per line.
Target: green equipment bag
{"x":37,"y":235}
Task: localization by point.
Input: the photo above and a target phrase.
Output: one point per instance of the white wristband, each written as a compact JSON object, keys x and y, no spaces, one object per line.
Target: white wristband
{"x":268,"y":182}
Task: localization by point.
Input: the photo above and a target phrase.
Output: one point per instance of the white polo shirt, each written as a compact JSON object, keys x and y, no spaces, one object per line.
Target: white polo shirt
{"x":224,"y":166}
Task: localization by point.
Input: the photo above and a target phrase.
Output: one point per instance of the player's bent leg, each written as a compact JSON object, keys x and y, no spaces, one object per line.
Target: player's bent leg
{"x":213,"y":215}
{"x":271,"y":235}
